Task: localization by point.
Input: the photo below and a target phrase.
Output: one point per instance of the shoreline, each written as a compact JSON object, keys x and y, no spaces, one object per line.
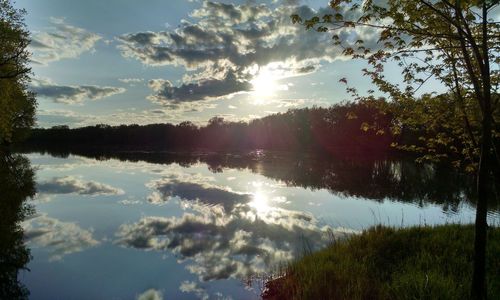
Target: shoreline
{"x":421,"y":262}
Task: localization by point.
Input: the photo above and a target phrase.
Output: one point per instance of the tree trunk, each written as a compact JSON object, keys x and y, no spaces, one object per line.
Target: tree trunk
{"x":478,"y":290}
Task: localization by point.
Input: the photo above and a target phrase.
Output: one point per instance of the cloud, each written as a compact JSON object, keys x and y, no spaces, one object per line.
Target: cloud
{"x":130,"y":201}
{"x":194,"y":288}
{"x":51,"y":117}
{"x":166,"y":93}
{"x":57,"y":237}
{"x":73,"y":185}
{"x":72,"y":94}
{"x":200,"y":292}
{"x":225,"y":46}
{"x":150,"y":294}
{"x":225,"y":234}
{"x":61,"y":41}
{"x":131,"y":80}
{"x":195,"y":191}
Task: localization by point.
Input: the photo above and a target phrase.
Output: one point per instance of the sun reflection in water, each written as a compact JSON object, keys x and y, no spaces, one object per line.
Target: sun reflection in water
{"x":260,"y":203}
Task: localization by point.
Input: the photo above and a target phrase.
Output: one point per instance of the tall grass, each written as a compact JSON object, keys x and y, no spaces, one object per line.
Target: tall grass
{"x":388,"y":263}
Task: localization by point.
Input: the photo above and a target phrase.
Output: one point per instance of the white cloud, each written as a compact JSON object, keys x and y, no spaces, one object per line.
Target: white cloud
{"x":150,"y":294}
{"x":61,"y":41}
{"x":72,"y":94}
{"x":51,"y":117}
{"x":226,"y":45}
{"x":194,"y":288}
{"x":57,"y":237}
{"x":131,"y":80}
{"x":73,"y":185}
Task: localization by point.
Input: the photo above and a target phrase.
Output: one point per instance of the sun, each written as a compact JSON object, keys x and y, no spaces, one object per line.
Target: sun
{"x":264,"y":86}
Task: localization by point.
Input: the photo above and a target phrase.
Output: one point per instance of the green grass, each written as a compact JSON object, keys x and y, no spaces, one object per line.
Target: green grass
{"x":388,"y":263}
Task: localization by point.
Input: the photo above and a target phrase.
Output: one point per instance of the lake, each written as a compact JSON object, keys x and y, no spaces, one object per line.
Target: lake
{"x":204,"y":225}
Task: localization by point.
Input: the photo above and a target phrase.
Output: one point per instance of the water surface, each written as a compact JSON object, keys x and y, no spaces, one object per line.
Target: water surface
{"x":188,"y":226}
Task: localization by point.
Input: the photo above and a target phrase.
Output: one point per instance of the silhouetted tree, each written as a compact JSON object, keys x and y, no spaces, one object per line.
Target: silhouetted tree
{"x":339,"y":129}
{"x":17,"y":104}
{"x":17,"y":186}
{"x":453,"y":41}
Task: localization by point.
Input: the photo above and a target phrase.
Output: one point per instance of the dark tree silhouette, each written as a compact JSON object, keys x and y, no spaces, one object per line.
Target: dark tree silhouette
{"x":340,"y":129}
{"x":17,"y":186}
{"x":17,"y":104}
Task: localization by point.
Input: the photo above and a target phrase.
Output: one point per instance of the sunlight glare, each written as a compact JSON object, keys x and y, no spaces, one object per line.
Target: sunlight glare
{"x":260,"y":202}
{"x":264,"y":86}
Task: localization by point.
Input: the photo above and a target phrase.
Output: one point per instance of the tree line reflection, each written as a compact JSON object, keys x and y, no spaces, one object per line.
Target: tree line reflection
{"x":379,"y":179}
{"x":16,"y":187}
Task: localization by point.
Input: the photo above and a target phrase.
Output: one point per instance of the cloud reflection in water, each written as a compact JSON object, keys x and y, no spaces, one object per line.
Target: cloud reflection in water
{"x":74,"y":185}
{"x":223,"y":233}
{"x":59,"y":238}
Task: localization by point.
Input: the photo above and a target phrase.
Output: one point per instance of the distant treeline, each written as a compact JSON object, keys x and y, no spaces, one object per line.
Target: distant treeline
{"x":343,"y":128}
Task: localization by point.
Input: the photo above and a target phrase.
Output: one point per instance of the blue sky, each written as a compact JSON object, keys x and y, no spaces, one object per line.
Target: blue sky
{"x":130,"y":61}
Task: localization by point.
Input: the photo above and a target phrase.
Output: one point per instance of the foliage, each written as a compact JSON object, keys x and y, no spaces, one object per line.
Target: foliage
{"x":446,"y":46}
{"x":17,"y":186}
{"x":439,"y":131}
{"x":339,"y":129}
{"x":457,"y":43}
{"x":17,"y":104}
{"x":388,"y":263}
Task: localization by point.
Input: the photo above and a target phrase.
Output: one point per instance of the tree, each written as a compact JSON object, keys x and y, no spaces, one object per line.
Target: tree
{"x":18,"y":185}
{"x":17,"y":104}
{"x":455,"y":42}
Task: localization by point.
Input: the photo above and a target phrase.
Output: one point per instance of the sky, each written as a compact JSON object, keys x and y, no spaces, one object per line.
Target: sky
{"x":156,"y":61}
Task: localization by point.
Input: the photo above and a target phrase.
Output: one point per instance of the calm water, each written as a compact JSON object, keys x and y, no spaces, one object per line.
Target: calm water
{"x":163,"y":226}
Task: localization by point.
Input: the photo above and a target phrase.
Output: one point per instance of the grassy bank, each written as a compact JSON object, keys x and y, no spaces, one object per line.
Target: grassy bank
{"x":387,"y":263}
